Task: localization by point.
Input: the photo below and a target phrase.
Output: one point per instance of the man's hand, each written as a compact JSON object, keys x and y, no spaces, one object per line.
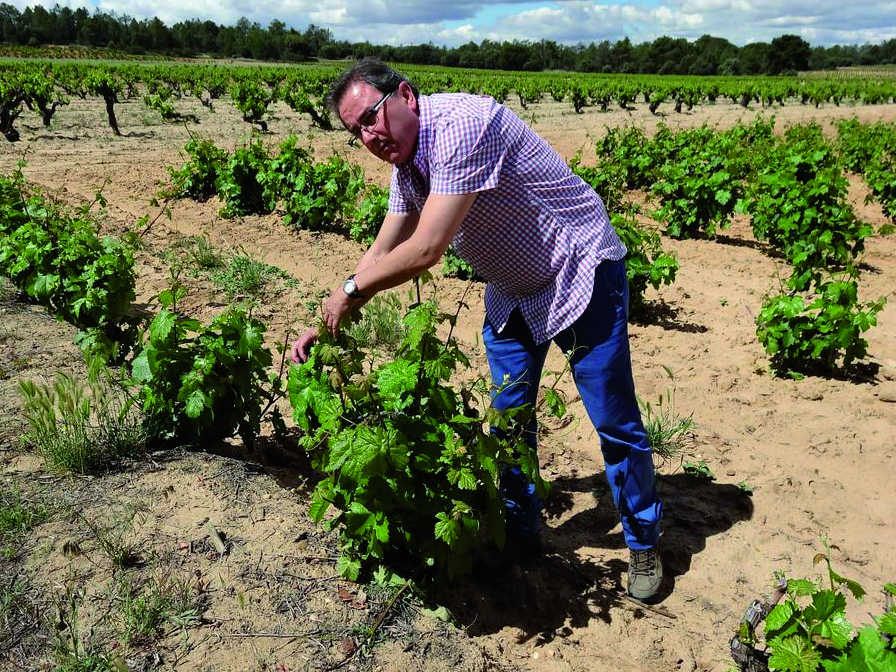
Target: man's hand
{"x":406,"y":246}
{"x":301,"y":349}
{"x":335,"y":310}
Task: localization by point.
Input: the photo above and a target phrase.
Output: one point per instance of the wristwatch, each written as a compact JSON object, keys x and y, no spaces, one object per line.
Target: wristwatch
{"x":350,"y":287}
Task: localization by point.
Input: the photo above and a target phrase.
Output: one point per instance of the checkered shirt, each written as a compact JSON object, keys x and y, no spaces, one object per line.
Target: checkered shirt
{"x":536,"y":231}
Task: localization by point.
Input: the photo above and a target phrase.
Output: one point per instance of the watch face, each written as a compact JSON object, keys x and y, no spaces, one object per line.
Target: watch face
{"x":350,"y":287}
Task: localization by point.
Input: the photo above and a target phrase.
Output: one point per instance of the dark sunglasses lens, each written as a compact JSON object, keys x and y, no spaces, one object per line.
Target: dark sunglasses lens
{"x":368,"y":117}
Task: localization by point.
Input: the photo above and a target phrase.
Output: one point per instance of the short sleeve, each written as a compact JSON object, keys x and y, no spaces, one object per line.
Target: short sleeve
{"x":398,"y":204}
{"x":469,"y":151}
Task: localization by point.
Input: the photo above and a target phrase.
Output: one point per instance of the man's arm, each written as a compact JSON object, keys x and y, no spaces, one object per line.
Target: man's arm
{"x":439,"y":221}
{"x":395,"y":229}
{"x":441,"y":217}
{"x":406,"y":245}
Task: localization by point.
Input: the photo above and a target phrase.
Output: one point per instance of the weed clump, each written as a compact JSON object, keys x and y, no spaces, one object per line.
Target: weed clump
{"x":80,"y":428}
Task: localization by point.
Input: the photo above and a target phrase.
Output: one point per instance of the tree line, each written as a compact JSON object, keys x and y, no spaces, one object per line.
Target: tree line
{"x":708,"y":55}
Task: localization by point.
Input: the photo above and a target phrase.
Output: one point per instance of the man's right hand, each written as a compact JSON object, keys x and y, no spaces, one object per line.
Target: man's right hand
{"x":301,"y":349}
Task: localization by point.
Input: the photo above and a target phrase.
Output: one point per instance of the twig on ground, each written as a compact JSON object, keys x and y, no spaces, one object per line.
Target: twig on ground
{"x":662,"y":611}
{"x":312,"y":578}
{"x":376,"y":626}
{"x":287,"y":635}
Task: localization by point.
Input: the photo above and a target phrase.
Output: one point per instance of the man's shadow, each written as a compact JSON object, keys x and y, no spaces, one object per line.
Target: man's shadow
{"x":551,"y":592}
{"x":560,"y":588}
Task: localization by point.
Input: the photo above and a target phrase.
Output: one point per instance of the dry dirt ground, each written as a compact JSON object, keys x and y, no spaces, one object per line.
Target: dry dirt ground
{"x":817,"y":453}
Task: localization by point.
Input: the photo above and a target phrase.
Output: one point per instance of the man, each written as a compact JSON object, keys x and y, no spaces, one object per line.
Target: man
{"x":468,"y":171}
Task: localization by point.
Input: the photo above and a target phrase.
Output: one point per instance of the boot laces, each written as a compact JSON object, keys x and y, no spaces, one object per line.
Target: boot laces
{"x":644,"y":562}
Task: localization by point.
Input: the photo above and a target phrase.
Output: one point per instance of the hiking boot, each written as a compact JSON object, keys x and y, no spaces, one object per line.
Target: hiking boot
{"x":645,"y":574}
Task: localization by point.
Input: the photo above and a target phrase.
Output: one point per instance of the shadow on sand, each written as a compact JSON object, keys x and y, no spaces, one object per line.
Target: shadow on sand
{"x":549,"y":594}
{"x":559,"y":588}
{"x":661,"y":314}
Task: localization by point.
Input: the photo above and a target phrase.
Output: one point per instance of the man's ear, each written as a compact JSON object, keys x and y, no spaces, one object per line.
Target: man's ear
{"x":406,"y":92}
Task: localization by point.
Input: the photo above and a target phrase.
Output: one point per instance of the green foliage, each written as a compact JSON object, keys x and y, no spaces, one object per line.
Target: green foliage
{"x":162,"y":92}
{"x":20,"y":612}
{"x":809,"y":136}
{"x":578,"y":96}
{"x":629,"y":147}
{"x":147,"y":608}
{"x":497,"y":88}
{"x":316,"y":196}
{"x":879,"y":176}
{"x":454,"y":266}
{"x":858,"y":144}
{"x":320,"y":196}
{"x":746,"y":145}
{"x":799,"y":205}
{"x":198,"y":177}
{"x":809,"y":630}
{"x":295,"y":95}
{"x":699,"y":469}
{"x":72,"y":651}
{"x":646,"y":262}
{"x":104,"y":82}
{"x":60,"y":262}
{"x":668,"y":145}
{"x":819,"y":331}
{"x":744,"y":486}
{"x":242,"y":182}
{"x":369,"y":216}
{"x":252,"y":99}
{"x":282,"y":172}
{"x":195,"y":253}
{"x":114,"y":535}
{"x":42,"y":95}
{"x":109,"y":84}
{"x":669,"y":433}
{"x":379,"y":328}
{"x":411,"y":467}
{"x":40,"y":84}
{"x":160,"y":101}
{"x":201,"y":383}
{"x":239,"y":275}
{"x":242,"y":277}
{"x":696,"y":189}
{"x":870,"y":149}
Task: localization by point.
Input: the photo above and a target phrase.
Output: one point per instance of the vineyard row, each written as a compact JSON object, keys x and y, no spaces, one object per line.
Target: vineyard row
{"x":44,"y":86}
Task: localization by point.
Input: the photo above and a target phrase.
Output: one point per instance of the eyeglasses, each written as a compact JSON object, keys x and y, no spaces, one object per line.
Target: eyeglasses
{"x":369,"y":117}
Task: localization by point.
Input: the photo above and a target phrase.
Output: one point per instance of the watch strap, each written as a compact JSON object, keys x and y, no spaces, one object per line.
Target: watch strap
{"x":354,"y":294}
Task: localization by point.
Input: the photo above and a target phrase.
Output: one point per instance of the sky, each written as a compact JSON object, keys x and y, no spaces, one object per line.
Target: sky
{"x":455,"y":22}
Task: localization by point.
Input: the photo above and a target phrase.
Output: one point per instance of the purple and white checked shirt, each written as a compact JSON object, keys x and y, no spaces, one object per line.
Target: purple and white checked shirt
{"x":536,"y":231}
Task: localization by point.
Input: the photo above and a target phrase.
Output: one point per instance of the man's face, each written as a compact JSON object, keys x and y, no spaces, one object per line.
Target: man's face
{"x":391,"y":133}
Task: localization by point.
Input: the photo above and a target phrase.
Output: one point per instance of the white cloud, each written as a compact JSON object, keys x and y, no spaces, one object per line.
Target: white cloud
{"x":789,"y":21}
{"x":581,"y":21}
{"x":454,"y":22}
{"x":461,"y":34}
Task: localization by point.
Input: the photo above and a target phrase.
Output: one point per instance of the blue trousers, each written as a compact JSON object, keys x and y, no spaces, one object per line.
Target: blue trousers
{"x":602,"y":371}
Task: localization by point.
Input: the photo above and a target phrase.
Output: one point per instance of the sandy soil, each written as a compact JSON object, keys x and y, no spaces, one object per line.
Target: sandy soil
{"x":817,"y":452}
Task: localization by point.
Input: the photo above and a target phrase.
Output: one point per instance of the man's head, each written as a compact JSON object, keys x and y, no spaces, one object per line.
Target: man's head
{"x":379,"y":107}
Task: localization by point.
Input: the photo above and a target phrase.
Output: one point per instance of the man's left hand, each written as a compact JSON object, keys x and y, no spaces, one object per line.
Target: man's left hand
{"x":337,"y":308}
